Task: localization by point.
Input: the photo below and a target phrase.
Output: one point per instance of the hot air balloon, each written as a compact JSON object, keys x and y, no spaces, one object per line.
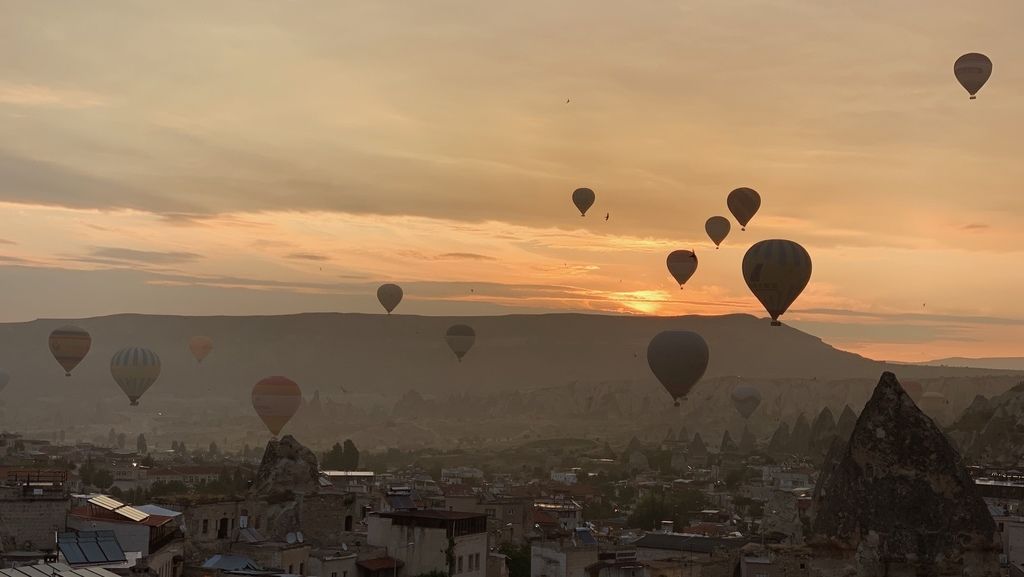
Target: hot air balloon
{"x":717,"y":228}
{"x":135,"y":369}
{"x":746,"y":399}
{"x":776,"y":272}
{"x":460,"y":339}
{"x":276,"y":399}
{"x":681,"y":265}
{"x":389,"y":296}
{"x":200,"y":347}
{"x":583,"y":198}
{"x":69,"y":345}
{"x":678,"y":359}
{"x":5,"y":378}
{"x":972,"y":71}
{"x":743,"y":204}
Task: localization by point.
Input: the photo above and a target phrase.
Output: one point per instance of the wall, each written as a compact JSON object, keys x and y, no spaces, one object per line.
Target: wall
{"x":423,"y":550}
{"x":322,"y":516}
{"x":32,"y":520}
{"x":343,"y":566}
{"x":162,"y":561}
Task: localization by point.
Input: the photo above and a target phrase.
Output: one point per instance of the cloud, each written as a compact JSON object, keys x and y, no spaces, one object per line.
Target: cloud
{"x":37,"y":96}
{"x":975,"y":226}
{"x":143,"y":256}
{"x":464,"y":256}
{"x":309,"y":256}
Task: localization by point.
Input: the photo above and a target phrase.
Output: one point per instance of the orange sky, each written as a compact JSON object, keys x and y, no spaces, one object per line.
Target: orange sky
{"x":267,"y":157}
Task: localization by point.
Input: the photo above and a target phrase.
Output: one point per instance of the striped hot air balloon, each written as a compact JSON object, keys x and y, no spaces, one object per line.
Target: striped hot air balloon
{"x":743,"y":204}
{"x":460,"y":339}
{"x":135,"y":369}
{"x":276,"y":399}
{"x":200,"y":347}
{"x":776,"y":271}
{"x":69,"y":345}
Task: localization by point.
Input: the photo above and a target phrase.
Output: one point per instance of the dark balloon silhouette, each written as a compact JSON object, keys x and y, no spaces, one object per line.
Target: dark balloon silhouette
{"x":460,"y":339}
{"x":583,"y":198}
{"x":681,"y":265}
{"x":776,"y":271}
{"x":69,"y":345}
{"x":743,"y":204}
{"x":389,"y":295}
{"x":972,"y":71}
{"x":678,"y":359}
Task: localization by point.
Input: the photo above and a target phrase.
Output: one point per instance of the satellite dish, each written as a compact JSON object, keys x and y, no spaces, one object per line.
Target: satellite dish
{"x":300,"y":537}
{"x":290,"y":538}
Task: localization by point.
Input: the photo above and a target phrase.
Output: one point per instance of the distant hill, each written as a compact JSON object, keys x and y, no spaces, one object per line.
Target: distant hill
{"x":995,"y":363}
{"x":380,"y":354}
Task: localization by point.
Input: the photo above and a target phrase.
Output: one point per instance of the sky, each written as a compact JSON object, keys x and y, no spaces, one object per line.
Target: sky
{"x":257,"y":157}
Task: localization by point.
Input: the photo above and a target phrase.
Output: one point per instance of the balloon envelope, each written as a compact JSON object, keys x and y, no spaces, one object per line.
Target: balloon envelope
{"x":69,"y":345}
{"x":746,"y":399}
{"x":972,"y":71}
{"x":583,"y":198}
{"x":200,"y":347}
{"x":681,"y":265}
{"x":276,"y":399}
{"x":135,"y":369}
{"x":389,"y":296}
{"x":776,"y":271}
{"x":743,"y":204}
{"x":460,"y":339}
{"x":678,"y":359}
{"x":718,"y":228}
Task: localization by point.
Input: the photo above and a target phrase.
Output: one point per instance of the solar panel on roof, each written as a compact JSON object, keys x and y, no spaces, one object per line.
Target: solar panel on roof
{"x":106,"y":502}
{"x":111,"y":550}
{"x":132,"y":513}
{"x":93,"y":553}
{"x":72,"y":552}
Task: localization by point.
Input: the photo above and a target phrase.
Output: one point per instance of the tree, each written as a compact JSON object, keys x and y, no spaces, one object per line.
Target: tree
{"x":102,"y":479}
{"x":112,"y":438}
{"x":675,"y":507}
{"x":214,"y":449}
{"x":140,"y":444}
{"x":335,"y":458}
{"x":518,"y":559}
{"x":122,"y":440}
{"x":351,"y":461}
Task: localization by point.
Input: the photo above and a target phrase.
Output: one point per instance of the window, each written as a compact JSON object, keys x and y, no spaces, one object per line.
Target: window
{"x":334,"y":574}
{"x":469,"y":562}
{"x":206,"y":526}
{"x":344,"y":573}
{"x":302,"y":568}
{"x":291,"y":569}
{"x":459,"y":568}
{"x":477,"y":561}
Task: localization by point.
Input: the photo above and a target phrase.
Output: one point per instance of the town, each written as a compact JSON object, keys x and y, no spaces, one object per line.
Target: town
{"x":684,"y":506}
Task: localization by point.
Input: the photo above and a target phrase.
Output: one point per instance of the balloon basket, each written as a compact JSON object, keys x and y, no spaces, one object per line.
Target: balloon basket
{"x":776,"y":324}
{"x":974,"y":98}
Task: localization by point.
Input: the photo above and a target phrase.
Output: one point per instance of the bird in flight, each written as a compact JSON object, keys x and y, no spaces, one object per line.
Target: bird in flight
{"x":567,"y":100}
{"x":607,"y":215}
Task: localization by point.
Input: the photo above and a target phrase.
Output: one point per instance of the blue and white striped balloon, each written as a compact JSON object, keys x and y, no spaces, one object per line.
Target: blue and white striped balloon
{"x":135,"y":369}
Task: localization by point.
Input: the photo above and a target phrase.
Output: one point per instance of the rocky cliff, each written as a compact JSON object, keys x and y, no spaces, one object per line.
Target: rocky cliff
{"x":287,"y":467}
{"x":900,"y":481}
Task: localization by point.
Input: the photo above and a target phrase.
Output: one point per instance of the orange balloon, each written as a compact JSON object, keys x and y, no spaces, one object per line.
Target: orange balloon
{"x":276,"y":399}
{"x":200,"y":347}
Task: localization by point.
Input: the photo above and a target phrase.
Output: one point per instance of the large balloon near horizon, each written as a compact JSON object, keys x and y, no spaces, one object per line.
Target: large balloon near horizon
{"x":776,"y":271}
{"x":681,"y":265}
{"x":201,"y":347}
{"x":718,"y":228}
{"x":460,"y":339}
{"x":135,"y":369}
{"x":972,"y":72}
{"x":276,"y":399}
{"x":743,"y":204}
{"x":583,"y":198}
{"x":746,"y":399}
{"x":389,"y":295}
{"x":69,"y":345}
{"x":678,"y":359}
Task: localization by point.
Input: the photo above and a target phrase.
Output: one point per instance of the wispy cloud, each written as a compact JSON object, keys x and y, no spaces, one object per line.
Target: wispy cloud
{"x":308,"y":256}
{"x":144,"y":256}
{"x":464,"y":256}
{"x":38,"y":96}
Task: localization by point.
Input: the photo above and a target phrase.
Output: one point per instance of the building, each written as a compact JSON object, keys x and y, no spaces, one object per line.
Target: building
{"x":562,"y":559}
{"x":155,"y":540}
{"x":351,"y":481}
{"x":461,"y":475}
{"x":323,"y":563}
{"x":425,"y":541}
{"x":568,"y":512}
{"x":33,"y":509}
{"x":564,"y":477}
{"x":1011,"y":530}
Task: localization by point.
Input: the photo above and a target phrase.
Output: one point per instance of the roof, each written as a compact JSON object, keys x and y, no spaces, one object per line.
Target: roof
{"x":157,"y":510}
{"x":436,"y":514}
{"x":401,"y":502}
{"x":90,"y":548}
{"x":115,"y":506}
{"x":379,"y":564}
{"x":542,"y":518}
{"x":101,"y":514}
{"x":51,"y":569}
{"x":676,"y":542}
{"x":349,"y":473}
{"x":231,"y":563}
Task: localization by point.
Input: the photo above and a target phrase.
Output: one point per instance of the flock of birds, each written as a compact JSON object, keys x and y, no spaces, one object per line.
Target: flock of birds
{"x":776,"y":271}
